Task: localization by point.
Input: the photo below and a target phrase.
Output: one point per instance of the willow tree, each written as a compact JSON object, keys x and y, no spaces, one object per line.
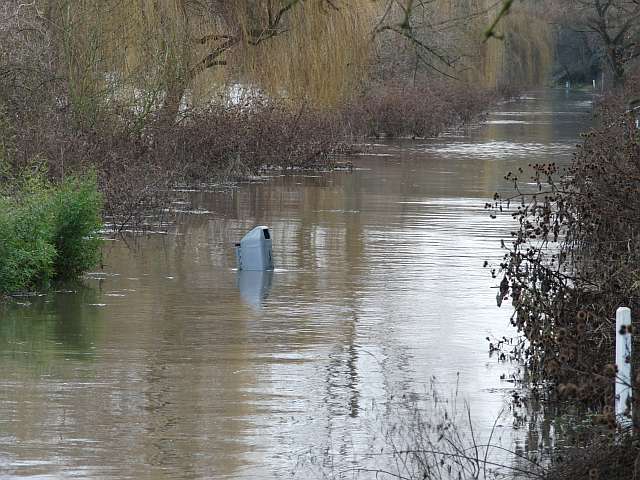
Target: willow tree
{"x":162,"y":53}
{"x":447,"y":36}
{"x":151,"y":57}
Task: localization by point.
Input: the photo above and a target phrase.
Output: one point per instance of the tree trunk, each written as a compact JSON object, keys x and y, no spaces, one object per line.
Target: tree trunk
{"x":171,"y":104}
{"x":616,"y":65}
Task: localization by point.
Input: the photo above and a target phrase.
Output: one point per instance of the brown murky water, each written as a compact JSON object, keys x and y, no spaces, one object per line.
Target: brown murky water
{"x":171,"y":364}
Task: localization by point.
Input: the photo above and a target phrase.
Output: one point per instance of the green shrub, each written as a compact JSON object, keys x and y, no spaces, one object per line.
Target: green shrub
{"x":48,"y":232}
{"x":26,"y":251}
{"x":76,"y":207}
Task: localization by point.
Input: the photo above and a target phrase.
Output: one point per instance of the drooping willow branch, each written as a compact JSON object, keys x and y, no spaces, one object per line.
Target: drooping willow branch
{"x":491,"y":31}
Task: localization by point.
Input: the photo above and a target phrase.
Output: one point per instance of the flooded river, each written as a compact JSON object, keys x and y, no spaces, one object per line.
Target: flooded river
{"x":168,"y":363}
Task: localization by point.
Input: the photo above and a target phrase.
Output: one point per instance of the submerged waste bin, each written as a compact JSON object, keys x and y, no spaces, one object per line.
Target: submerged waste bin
{"x":254,"y":252}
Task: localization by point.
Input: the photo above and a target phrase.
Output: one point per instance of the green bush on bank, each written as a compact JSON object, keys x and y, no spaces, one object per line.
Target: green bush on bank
{"x":48,"y":232}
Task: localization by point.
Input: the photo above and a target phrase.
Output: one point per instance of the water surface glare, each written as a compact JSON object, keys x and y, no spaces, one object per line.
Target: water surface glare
{"x":169,"y":363}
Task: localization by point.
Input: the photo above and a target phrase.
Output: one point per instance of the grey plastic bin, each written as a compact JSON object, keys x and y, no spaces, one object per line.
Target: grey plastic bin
{"x":254,"y":252}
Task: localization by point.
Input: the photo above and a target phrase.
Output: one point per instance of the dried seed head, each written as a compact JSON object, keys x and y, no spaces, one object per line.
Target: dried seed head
{"x":609,"y":370}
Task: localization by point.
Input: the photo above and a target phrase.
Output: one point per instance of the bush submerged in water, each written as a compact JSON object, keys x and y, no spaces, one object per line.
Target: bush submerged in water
{"x":573,"y":260}
{"x":48,"y":232}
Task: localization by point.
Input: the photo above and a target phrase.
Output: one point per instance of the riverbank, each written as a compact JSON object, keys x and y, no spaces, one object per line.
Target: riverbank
{"x":139,"y":164}
{"x":570,"y":264}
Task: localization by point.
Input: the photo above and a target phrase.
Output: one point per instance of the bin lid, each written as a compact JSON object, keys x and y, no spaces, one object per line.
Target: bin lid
{"x":256,"y":235}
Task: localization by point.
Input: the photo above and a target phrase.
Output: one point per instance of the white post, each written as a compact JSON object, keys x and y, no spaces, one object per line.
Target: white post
{"x":594,"y":83}
{"x":623,"y":364}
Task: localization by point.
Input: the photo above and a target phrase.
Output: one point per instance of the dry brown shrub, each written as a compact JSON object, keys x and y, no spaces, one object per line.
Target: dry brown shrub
{"x":602,"y":459}
{"x":424,"y":109}
{"x":137,"y":171}
{"x":574,"y":258}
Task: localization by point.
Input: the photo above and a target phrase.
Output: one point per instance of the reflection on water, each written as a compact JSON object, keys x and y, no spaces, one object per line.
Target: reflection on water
{"x":499,"y":150}
{"x":171,"y":364}
{"x":254,"y":286}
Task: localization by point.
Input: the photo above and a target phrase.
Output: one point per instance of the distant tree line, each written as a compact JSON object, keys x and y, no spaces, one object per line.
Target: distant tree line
{"x":591,"y":37}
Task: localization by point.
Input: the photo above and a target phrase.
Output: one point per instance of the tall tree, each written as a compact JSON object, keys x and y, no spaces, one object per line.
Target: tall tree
{"x":446,"y":36}
{"x":616,"y":23}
